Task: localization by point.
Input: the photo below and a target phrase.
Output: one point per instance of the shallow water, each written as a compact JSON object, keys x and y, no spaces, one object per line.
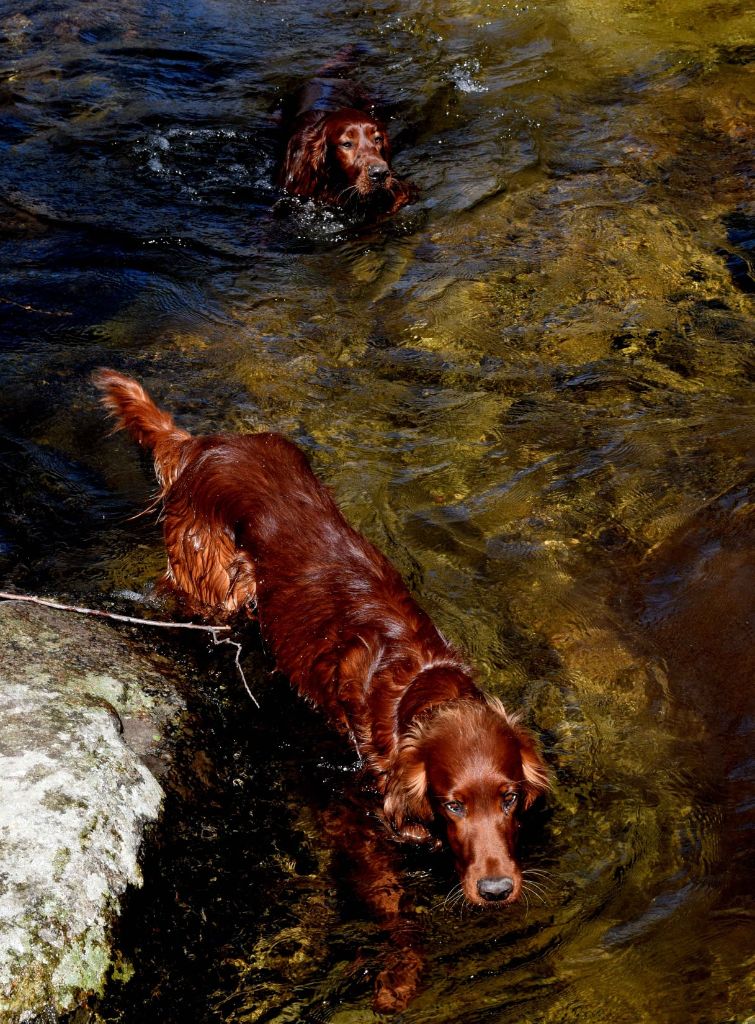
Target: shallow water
{"x":532,"y":390}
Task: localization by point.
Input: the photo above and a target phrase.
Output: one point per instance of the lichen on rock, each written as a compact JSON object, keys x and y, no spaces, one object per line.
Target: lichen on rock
{"x":83,"y":719}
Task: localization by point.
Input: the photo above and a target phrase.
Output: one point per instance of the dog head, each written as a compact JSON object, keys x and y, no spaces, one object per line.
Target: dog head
{"x":473,"y":766}
{"x":341,"y":156}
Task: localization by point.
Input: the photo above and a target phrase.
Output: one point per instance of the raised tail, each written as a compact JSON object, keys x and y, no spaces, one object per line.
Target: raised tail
{"x":132,"y":408}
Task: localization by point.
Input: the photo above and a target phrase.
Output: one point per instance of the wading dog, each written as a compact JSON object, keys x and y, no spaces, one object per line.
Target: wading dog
{"x":247,"y":526}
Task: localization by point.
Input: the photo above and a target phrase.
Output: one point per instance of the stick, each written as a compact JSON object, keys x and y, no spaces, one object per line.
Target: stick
{"x":212,"y":630}
{"x":33,"y":309}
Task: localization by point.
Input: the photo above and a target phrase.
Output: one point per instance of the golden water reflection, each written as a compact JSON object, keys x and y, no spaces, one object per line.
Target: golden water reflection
{"x":534,"y":393}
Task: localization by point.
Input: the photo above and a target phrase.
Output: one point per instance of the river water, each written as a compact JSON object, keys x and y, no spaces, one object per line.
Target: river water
{"x":532,"y":389}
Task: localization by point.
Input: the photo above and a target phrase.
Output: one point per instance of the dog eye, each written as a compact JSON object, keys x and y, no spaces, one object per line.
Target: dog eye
{"x":508,"y":800}
{"x":378,"y":138}
{"x":455,"y":807}
{"x":346,"y":145}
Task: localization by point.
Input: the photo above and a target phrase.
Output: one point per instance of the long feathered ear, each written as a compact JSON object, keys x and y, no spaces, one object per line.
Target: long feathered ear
{"x":303,"y":170}
{"x":534,"y":770}
{"x":406,"y":790}
{"x":535,"y":773}
{"x":386,"y":148}
{"x":402,"y":192}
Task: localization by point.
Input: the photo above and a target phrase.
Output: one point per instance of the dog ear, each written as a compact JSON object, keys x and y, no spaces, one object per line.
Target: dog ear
{"x":535,"y":773}
{"x":402,"y":192}
{"x":386,"y":147}
{"x":406,"y":792}
{"x":303,"y":170}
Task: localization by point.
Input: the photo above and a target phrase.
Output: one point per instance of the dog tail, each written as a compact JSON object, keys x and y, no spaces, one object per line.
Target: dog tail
{"x":132,"y":408}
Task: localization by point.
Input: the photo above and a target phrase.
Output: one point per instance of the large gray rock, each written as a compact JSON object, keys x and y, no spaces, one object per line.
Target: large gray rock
{"x":82,"y":740}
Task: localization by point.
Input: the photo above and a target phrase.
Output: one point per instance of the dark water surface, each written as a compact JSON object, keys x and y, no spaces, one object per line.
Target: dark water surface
{"x":532,"y":390}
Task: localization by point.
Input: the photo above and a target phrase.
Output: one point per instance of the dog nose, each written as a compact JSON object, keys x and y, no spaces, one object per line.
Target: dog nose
{"x":378,"y":172}
{"x":495,"y":888}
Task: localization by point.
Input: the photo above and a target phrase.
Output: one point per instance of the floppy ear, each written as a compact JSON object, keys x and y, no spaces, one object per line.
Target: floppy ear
{"x":303,"y":170}
{"x":402,"y":192}
{"x":535,"y":773}
{"x":386,"y":148}
{"x":406,"y":790}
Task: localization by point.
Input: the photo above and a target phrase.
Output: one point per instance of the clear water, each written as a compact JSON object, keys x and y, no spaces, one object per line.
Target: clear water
{"x":532,"y":390}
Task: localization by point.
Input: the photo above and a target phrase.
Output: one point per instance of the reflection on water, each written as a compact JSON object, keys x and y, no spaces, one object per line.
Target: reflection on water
{"x":531,"y":390}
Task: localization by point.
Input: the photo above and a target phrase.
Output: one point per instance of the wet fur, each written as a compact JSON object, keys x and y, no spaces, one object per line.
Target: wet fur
{"x":247,"y":526}
{"x":332,"y":111}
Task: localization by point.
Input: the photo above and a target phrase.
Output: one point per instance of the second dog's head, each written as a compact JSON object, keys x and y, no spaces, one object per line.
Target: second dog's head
{"x":341,"y":157}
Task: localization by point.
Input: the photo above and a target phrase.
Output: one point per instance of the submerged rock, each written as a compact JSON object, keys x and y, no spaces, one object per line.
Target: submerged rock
{"x":83,"y":721}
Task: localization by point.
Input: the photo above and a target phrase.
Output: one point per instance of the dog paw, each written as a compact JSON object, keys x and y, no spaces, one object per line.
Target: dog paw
{"x":396,"y":985}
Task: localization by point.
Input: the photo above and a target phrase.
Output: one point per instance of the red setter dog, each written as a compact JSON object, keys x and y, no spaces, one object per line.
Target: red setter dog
{"x":247,"y":524}
{"x":338,"y":151}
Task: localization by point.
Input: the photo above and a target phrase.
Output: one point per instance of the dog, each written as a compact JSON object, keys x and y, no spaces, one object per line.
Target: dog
{"x":250,"y":530}
{"x":247,"y":525}
{"x":338,"y":151}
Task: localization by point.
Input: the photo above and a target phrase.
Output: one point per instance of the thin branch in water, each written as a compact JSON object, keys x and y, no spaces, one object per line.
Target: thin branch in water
{"x":236,"y":661}
{"x":214,"y":631}
{"x":33,"y":309}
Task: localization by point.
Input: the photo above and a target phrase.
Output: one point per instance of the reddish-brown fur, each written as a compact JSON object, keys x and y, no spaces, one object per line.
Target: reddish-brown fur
{"x":248,"y":524}
{"x":338,"y":151}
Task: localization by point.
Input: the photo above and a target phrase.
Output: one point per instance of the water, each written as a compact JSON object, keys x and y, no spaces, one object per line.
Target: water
{"x":532,"y":390}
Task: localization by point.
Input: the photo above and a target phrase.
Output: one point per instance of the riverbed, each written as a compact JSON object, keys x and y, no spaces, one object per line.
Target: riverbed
{"x":532,"y":389}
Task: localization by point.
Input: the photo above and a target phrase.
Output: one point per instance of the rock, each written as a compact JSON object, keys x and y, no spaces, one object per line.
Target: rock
{"x":83,"y":721}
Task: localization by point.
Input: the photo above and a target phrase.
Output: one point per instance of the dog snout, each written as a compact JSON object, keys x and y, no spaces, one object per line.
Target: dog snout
{"x":377,"y":173}
{"x":495,"y":889}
